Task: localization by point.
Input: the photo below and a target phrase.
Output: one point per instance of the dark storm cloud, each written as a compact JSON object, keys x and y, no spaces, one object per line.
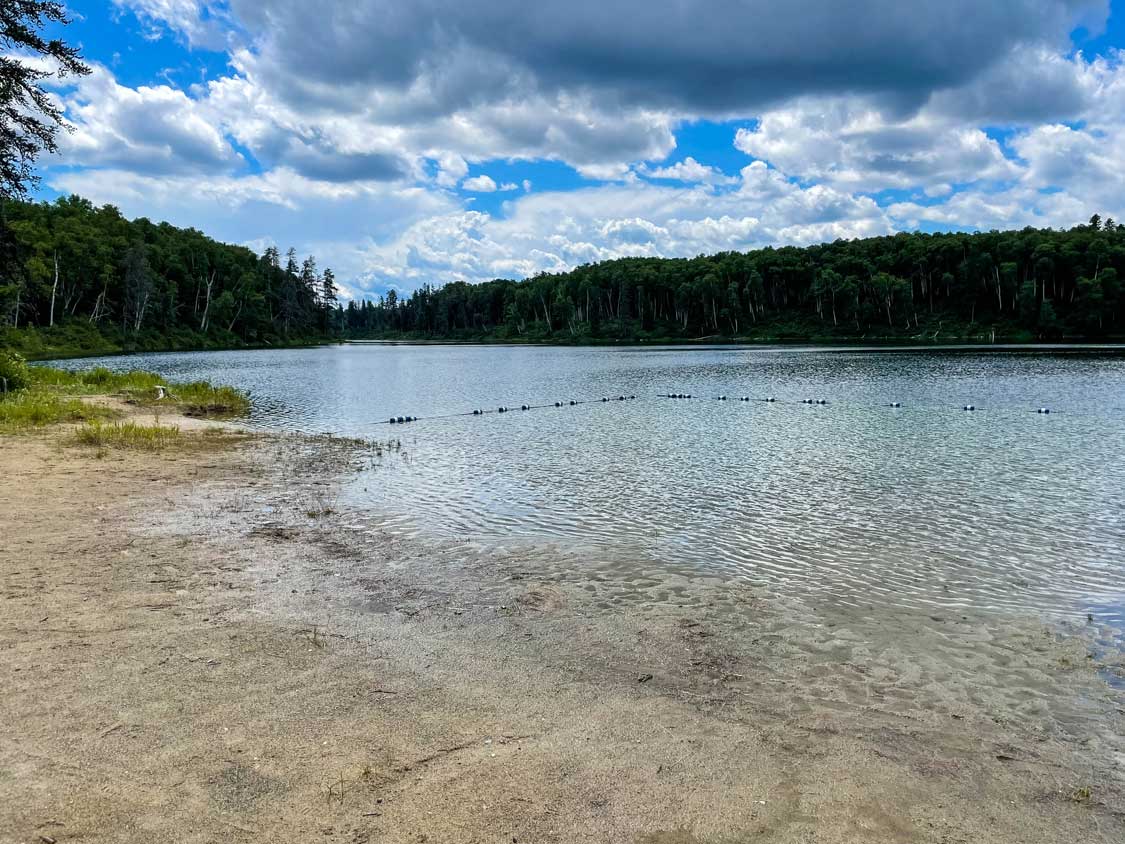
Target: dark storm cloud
{"x":692,"y":56}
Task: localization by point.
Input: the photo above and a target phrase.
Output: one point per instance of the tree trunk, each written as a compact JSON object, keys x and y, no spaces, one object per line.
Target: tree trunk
{"x":207,"y":302}
{"x":141,"y":313}
{"x":54,"y":288}
{"x":234,"y":319}
{"x":96,"y":313}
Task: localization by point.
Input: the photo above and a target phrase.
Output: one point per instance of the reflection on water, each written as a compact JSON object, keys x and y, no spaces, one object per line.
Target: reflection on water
{"x":853,"y":501}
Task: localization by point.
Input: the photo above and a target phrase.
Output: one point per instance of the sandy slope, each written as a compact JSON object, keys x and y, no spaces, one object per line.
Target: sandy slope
{"x":187,"y":655}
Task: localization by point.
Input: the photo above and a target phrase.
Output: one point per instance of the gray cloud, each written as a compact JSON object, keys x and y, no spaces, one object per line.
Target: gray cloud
{"x":335,"y":166}
{"x":692,"y":56}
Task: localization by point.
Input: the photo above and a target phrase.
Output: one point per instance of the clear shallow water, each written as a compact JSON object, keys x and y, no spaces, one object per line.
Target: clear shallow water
{"x":921,"y":506}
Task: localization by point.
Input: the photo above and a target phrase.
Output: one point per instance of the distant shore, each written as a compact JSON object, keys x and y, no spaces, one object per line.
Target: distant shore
{"x":72,"y":342}
{"x":207,"y":642}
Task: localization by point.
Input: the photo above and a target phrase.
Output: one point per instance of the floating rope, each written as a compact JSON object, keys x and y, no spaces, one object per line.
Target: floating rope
{"x":399,"y":420}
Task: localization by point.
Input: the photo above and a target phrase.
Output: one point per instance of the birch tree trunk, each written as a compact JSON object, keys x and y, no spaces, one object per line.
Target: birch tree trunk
{"x":54,"y":288}
{"x":207,"y":302}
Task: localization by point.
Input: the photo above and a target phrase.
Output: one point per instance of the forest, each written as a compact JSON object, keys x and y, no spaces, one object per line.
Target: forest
{"x":1034,"y":284}
{"x":75,"y":278}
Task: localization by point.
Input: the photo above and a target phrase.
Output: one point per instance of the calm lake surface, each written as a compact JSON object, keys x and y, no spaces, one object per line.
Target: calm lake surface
{"x":1001,"y":509}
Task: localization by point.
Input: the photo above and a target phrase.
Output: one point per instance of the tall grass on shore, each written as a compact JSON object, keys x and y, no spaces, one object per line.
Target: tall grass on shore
{"x":31,"y":408}
{"x":199,"y":398}
{"x":196,"y":398}
{"x":127,"y":435}
{"x":32,"y":396}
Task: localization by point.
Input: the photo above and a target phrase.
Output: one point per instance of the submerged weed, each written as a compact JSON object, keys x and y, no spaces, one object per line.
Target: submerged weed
{"x":1082,"y":794}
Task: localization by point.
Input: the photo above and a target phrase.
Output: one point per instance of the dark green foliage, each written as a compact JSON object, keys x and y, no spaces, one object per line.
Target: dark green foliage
{"x":14,"y":373}
{"x":1018,"y":285}
{"x":75,"y":279}
{"x":29,"y":116}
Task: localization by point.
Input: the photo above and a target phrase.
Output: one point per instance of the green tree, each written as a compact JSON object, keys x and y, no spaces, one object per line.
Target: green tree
{"x":29,"y":118}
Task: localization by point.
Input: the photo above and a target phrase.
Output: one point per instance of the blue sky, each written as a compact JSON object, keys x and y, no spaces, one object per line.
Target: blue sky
{"x":423,"y":142}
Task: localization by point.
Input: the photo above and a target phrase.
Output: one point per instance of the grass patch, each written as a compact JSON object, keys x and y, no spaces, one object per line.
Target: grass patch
{"x":197,"y":398}
{"x":97,"y":381}
{"x":202,"y":399}
{"x":127,"y":435}
{"x":34,"y":408}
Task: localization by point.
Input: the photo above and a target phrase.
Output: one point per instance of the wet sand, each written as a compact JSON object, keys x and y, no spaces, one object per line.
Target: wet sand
{"x":205,"y":645}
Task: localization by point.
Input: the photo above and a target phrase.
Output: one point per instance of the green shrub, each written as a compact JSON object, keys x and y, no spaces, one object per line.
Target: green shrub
{"x":14,"y":373}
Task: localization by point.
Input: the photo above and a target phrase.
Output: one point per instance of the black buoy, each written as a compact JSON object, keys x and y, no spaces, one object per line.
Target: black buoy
{"x":621,"y":398}
{"x":525,"y":407}
{"x":631,"y":398}
{"x":1043,"y":410}
{"x":896,"y":404}
{"x":970,"y":407}
{"x":771,"y":399}
{"x":476,"y":413}
{"x":722,"y":398}
{"x":501,"y":409}
{"x":393,"y":420}
{"x":573,"y":402}
{"x":558,"y":404}
{"x":401,"y":419}
{"x":822,"y":401}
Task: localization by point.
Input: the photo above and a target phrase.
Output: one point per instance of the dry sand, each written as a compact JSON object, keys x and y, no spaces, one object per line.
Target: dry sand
{"x":203,"y":645}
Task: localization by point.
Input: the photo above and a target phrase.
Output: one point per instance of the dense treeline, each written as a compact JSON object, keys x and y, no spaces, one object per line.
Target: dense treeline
{"x":1029,"y":284}
{"x":139,"y":284}
{"x":104,"y":283}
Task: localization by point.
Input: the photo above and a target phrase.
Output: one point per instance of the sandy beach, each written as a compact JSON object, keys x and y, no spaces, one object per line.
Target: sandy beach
{"x":205,"y":644}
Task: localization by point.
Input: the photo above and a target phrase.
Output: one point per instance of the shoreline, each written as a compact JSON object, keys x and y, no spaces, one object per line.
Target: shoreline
{"x":207,"y":645}
{"x":858,"y":346}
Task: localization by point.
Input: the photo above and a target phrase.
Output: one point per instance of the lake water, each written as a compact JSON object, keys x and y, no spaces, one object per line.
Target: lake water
{"x":854,"y":501}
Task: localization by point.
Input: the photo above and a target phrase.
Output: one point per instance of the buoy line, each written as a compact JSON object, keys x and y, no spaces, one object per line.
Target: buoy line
{"x":816,"y":402}
{"x":401,"y":420}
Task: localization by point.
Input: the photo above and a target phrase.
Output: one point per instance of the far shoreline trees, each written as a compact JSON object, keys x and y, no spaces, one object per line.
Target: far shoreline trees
{"x":75,"y":278}
{"x":1032,"y":284}
{"x":152,"y":285}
